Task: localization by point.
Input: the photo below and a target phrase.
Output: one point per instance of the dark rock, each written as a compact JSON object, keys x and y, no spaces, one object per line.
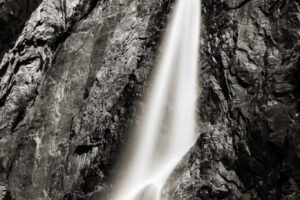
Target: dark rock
{"x":74,"y":73}
{"x":13,"y":15}
{"x":249,"y":105}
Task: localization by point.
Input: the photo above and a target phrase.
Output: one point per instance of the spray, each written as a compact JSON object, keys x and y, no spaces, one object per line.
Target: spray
{"x":167,"y":127}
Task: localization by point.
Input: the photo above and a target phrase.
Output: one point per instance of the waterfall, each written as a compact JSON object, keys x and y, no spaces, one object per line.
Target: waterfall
{"x":167,"y":126}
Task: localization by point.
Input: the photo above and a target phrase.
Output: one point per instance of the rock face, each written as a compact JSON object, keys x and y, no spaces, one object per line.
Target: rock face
{"x":74,"y":75}
{"x":68,"y":91}
{"x":249,"y":146}
{"x":13,"y":15}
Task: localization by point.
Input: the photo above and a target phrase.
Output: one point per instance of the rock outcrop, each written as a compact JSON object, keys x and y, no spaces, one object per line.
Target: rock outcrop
{"x":249,"y":146}
{"x":69,"y":88}
{"x":74,"y":72}
{"x":13,"y":15}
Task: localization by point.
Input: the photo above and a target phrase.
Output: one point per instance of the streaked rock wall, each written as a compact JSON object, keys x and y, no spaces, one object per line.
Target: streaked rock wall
{"x":69,"y":90}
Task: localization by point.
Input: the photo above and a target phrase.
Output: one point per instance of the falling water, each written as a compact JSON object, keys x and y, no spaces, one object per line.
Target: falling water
{"x":167,"y":127}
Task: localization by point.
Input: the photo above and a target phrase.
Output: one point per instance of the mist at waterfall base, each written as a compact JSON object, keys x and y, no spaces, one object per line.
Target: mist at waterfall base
{"x":166,"y":129}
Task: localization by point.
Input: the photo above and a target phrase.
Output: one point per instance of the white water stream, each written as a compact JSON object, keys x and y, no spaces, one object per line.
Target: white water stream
{"x":166,"y":130}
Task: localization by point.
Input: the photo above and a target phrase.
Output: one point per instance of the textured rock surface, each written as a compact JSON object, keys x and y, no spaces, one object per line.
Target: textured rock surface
{"x":68,"y":89}
{"x":249,"y":145}
{"x":74,"y":77}
{"x":13,"y":15}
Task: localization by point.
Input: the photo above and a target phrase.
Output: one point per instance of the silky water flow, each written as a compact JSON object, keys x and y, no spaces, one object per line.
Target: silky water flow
{"x":167,"y":126}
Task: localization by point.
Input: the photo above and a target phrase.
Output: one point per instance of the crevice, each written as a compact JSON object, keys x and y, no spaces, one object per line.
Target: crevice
{"x":24,"y":62}
{"x":7,"y":196}
{"x":83,"y":149}
{"x":247,"y":54}
{"x":18,"y":119}
{"x":3,"y":69}
{"x":243,"y":3}
{"x":222,"y":78}
{"x":4,"y":97}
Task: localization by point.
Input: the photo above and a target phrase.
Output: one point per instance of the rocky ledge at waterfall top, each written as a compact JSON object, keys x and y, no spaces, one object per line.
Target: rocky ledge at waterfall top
{"x":73,"y":73}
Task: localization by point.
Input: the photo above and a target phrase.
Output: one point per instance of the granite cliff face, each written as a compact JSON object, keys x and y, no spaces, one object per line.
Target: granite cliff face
{"x":75,"y":72}
{"x":249,"y":143}
{"x":68,"y":91}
